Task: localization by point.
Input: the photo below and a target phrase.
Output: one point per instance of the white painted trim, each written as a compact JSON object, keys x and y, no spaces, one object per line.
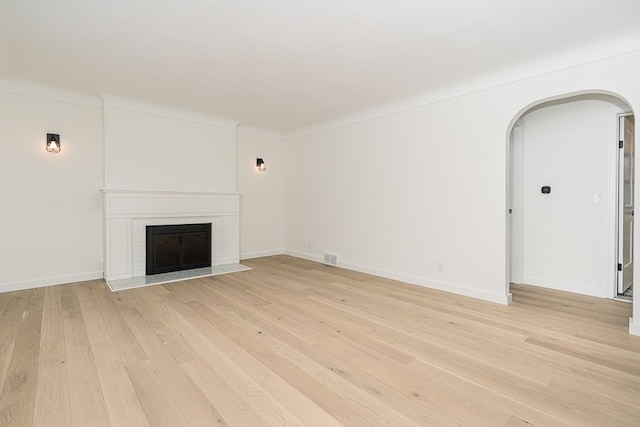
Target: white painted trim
{"x":516,"y":193}
{"x":564,"y":286}
{"x":120,"y":103}
{"x":164,"y":194}
{"x":613,"y":220}
{"x":121,"y":276}
{"x":304,"y":255}
{"x":441,"y":286}
{"x":251,"y":255}
{"x":524,"y":71}
{"x":634,"y":327}
{"x":50,"y":93}
{"x":50,"y":281}
{"x":257,"y":131}
{"x":128,"y":212}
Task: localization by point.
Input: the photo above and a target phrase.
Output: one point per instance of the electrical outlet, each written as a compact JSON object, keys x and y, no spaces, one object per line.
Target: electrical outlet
{"x":309,"y":244}
{"x":439,"y":266}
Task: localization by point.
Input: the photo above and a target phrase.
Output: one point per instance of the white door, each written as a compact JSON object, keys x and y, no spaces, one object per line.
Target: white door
{"x":625,"y":211}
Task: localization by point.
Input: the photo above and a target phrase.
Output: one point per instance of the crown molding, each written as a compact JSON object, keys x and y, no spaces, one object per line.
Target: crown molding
{"x":121,"y":103}
{"x":50,"y":93}
{"x":562,"y":61}
{"x":258,"y":131}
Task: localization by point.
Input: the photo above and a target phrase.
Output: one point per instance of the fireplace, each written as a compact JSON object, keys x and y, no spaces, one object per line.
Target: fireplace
{"x":177,"y":247}
{"x":128,"y":213}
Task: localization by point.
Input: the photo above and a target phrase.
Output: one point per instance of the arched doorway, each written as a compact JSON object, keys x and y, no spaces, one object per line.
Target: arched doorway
{"x":565,"y":194}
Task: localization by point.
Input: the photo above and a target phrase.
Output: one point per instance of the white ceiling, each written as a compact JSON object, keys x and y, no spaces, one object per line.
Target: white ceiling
{"x":288,"y":64}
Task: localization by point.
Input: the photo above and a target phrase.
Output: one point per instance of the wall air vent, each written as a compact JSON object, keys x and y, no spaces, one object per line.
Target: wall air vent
{"x":330,"y":259}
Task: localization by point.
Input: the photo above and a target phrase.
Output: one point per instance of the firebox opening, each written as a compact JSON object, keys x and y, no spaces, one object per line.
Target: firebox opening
{"x":177,"y":247}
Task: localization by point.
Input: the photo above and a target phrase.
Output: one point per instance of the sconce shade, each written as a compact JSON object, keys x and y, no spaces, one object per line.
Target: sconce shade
{"x":260,"y":165}
{"x":53,"y":143}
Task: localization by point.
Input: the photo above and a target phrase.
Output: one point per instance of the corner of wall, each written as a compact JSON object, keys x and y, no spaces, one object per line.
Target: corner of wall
{"x":634,"y":327}
{"x":440,"y":286}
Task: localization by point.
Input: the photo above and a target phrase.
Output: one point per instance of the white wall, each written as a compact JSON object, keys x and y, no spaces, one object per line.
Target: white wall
{"x":262,"y":195}
{"x":149,"y":149}
{"x":566,"y":239}
{"x":51,"y":211}
{"x":402,"y":194}
{"x":121,"y":145}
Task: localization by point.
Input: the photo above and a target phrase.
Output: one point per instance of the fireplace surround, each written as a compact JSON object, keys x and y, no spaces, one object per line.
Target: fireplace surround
{"x":128,"y":213}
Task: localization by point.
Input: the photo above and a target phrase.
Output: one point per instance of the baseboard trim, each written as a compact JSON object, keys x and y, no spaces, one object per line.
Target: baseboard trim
{"x":634,"y":327}
{"x":251,"y":255}
{"x":306,"y":256}
{"x":49,"y":281}
{"x":441,"y":286}
{"x":564,"y":286}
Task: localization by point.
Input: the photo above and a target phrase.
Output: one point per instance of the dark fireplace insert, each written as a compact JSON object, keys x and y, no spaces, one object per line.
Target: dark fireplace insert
{"x":178,"y":247}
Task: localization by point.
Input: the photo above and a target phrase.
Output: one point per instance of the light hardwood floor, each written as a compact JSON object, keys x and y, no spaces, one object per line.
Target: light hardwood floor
{"x":293,"y":342}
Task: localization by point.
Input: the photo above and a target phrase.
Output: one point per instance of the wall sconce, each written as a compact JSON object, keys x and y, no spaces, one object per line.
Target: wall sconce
{"x":53,"y":143}
{"x":260,"y":165}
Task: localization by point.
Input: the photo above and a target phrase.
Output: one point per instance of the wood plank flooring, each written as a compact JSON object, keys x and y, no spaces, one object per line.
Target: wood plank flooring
{"x":293,"y":342}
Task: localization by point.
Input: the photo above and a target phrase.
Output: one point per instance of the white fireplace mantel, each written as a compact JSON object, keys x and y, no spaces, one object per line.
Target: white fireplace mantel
{"x":127,"y":214}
